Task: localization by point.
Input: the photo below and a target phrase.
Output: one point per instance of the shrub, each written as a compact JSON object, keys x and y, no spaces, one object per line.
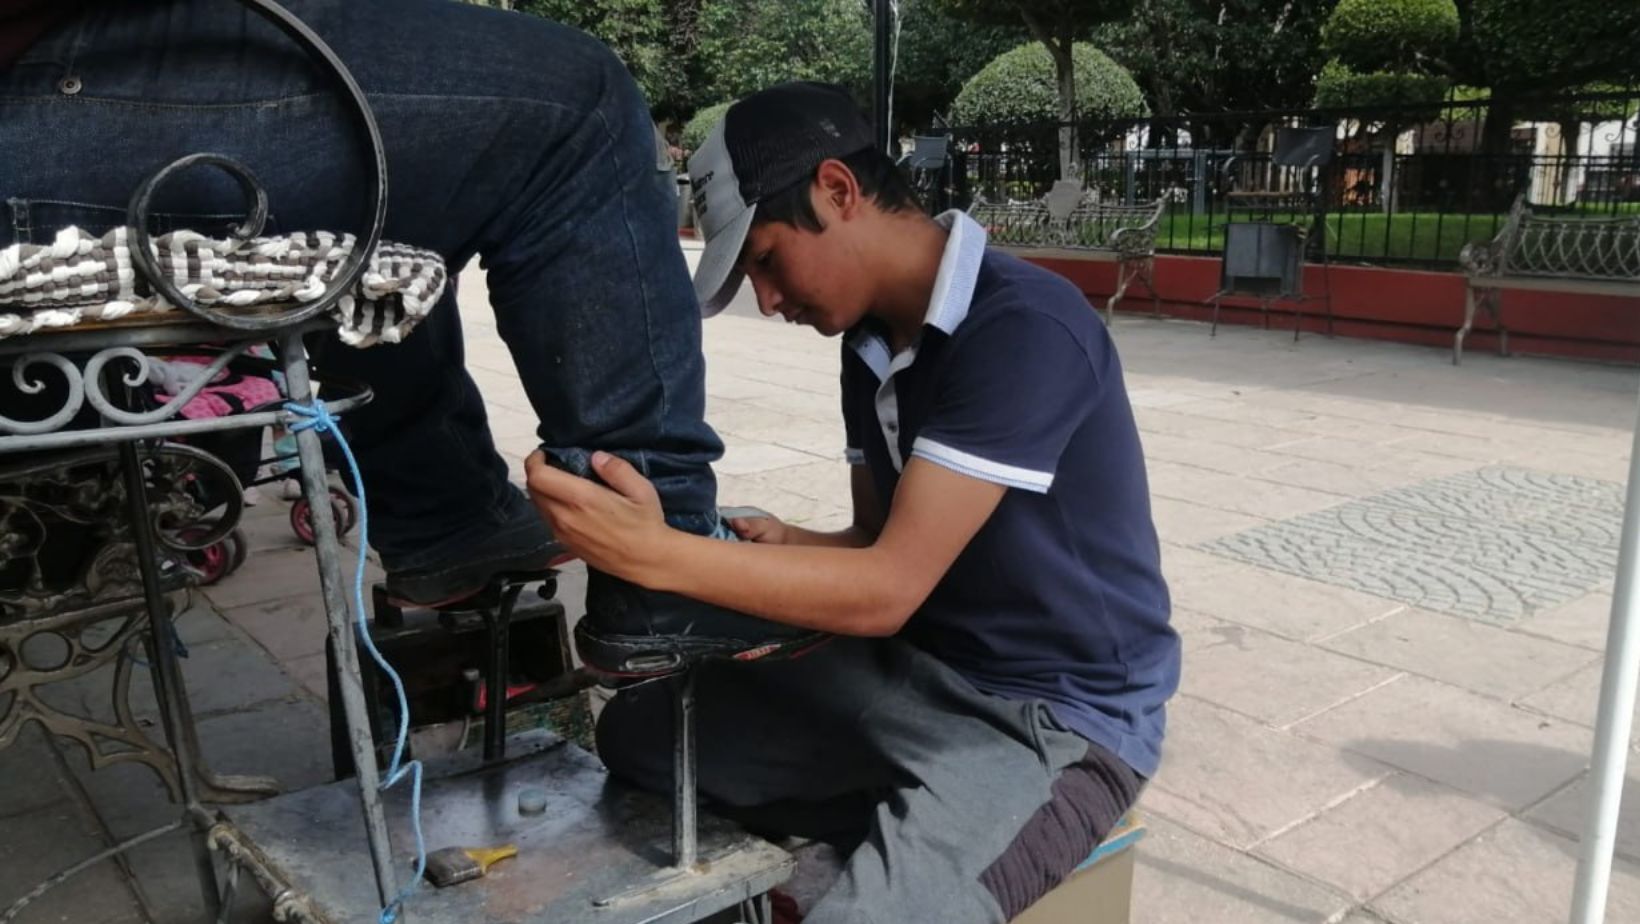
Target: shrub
{"x":1021,"y":86}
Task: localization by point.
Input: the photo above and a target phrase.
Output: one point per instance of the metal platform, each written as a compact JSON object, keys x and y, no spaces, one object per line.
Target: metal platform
{"x":600,"y":852}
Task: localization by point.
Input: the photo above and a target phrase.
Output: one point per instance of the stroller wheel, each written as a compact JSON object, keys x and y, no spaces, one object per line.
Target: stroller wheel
{"x":215,"y":561}
{"x":240,"y":547}
{"x":301,"y":519}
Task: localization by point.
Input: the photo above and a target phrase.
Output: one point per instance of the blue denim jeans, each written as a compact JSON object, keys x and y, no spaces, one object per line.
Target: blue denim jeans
{"x":509,"y":138}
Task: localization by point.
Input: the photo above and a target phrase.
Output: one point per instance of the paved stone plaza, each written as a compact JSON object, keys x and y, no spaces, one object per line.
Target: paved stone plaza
{"x":1392,"y":577}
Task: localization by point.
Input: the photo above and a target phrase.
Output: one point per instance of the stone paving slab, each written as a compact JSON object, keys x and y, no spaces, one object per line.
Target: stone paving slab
{"x":1240,"y":782}
{"x":1567,"y":812}
{"x":1275,"y":680}
{"x":1502,"y":755}
{"x":1461,"y":652}
{"x":38,"y":844}
{"x":1574,"y":699}
{"x":1514,"y":872}
{"x":1185,"y":878}
{"x":1381,"y":835}
{"x":1289,"y":606}
{"x":28,"y":778}
{"x":1584,"y":621}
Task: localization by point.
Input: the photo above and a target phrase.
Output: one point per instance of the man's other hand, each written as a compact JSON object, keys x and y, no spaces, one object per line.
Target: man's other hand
{"x":764,"y":527}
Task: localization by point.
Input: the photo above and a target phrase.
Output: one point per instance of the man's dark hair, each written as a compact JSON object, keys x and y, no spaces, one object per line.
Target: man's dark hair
{"x":880,"y":181}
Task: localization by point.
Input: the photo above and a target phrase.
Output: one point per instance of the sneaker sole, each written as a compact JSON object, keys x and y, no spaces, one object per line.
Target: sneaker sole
{"x":646,"y":657}
{"x":432,"y":590}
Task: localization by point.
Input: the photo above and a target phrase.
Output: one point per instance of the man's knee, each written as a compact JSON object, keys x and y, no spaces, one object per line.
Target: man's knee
{"x":634,"y":736}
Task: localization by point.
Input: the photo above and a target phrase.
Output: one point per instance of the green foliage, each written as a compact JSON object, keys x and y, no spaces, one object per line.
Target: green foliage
{"x":1389,"y":35}
{"x":938,"y":53}
{"x":1059,"y":18}
{"x":1020,"y":86}
{"x":748,"y":45}
{"x":1340,"y":86}
{"x":638,"y":31}
{"x":1216,"y":55}
{"x":1542,"y":46}
{"x":695,"y":130}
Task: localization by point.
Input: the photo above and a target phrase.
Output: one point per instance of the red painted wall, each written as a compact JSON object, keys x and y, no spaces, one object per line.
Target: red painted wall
{"x":1388,"y":304}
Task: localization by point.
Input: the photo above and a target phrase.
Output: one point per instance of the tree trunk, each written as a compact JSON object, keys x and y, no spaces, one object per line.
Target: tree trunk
{"x":1570,"y":130}
{"x":1497,"y":184}
{"x":1059,"y":48}
{"x":1066,"y":72}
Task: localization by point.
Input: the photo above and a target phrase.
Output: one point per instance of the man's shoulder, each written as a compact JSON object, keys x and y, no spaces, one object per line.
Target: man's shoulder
{"x":1010,"y":291}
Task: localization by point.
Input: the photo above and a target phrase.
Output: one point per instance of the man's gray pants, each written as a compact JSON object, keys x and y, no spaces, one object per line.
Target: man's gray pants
{"x":965,"y":807}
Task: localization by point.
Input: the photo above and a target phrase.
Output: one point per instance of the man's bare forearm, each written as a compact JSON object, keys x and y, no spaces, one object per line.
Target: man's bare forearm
{"x":842,"y":590}
{"x":854,"y":537}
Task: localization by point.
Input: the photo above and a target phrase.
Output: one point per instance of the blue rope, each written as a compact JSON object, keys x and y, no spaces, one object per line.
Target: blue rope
{"x":317,"y":417}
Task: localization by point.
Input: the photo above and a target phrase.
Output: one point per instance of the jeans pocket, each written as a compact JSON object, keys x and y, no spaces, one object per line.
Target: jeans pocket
{"x":37,"y":221}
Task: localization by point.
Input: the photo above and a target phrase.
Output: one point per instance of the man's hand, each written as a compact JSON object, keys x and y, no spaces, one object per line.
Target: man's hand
{"x":620,"y":532}
{"x":765,"y":528}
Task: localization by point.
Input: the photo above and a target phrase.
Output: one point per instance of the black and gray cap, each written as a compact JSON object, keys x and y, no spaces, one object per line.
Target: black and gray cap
{"x":765,"y":144}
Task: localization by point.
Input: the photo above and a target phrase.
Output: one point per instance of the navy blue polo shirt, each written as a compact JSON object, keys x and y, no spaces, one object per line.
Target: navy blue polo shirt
{"x":1059,"y":597}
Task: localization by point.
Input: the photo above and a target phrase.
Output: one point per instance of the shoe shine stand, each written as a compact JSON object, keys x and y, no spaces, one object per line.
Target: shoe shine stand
{"x":589,"y":849}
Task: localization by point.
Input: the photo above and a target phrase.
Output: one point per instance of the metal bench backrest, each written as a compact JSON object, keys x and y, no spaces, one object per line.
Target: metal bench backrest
{"x":1605,"y":249}
{"x":1088,"y":225}
{"x":1093,"y":224}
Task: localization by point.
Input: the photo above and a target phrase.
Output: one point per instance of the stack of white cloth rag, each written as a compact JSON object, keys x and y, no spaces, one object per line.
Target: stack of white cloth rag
{"x":80,"y":277}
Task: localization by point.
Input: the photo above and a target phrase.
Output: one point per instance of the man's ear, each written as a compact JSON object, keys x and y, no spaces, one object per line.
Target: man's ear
{"x":836,"y":190}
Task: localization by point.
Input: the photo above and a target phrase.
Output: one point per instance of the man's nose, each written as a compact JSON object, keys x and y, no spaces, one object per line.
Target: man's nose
{"x":768,"y":297}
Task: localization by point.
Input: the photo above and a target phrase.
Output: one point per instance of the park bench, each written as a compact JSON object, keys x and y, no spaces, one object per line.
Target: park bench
{"x":1535,"y":252}
{"x":1069,"y":222}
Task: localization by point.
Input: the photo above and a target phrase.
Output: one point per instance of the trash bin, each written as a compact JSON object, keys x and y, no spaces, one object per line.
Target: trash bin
{"x":1263,"y":259}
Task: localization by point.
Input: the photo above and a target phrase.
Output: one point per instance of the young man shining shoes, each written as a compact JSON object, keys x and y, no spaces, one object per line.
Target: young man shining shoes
{"x":994,"y":697}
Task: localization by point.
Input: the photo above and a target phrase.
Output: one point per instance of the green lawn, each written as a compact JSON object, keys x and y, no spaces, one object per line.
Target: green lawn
{"x":1431,"y":237}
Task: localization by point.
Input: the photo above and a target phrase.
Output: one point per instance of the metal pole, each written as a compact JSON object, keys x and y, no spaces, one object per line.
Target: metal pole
{"x":162,"y":652}
{"x":1612,"y":726}
{"x":316,"y":489}
{"x":683,"y":773}
{"x":882,"y":32}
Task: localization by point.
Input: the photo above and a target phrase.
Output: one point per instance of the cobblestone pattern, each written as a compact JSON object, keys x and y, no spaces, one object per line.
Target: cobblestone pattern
{"x":1492,"y":544}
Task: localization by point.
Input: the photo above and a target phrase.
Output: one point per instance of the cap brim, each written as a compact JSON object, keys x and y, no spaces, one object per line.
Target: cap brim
{"x":716,"y":279}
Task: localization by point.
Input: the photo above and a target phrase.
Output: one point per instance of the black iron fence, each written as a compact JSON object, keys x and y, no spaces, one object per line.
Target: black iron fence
{"x":1402,"y":185}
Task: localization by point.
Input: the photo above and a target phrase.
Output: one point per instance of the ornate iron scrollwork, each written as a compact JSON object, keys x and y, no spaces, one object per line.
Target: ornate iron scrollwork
{"x":87,"y":385}
{"x":71,"y":598}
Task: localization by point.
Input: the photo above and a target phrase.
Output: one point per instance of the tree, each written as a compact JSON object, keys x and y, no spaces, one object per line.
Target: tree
{"x":1201,"y":56}
{"x":748,"y":45}
{"x":1529,"y":45}
{"x":1387,"y":52}
{"x":1020,"y":88}
{"x":1057,"y":24}
{"x":640,"y":32}
{"x":938,"y":53}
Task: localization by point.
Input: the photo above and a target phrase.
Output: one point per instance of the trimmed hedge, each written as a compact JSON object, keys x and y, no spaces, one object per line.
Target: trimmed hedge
{"x":1021,"y":86}
{"x":696,"y":129}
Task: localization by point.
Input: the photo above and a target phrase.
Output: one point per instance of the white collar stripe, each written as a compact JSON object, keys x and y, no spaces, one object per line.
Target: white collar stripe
{"x":984,"y":469}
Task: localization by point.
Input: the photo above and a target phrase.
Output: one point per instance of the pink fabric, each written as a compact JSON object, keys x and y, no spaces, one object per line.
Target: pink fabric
{"x":249,"y":391}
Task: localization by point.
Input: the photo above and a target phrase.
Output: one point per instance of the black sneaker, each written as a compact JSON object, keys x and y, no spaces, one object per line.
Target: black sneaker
{"x":632,"y":633}
{"x":523,"y":544}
